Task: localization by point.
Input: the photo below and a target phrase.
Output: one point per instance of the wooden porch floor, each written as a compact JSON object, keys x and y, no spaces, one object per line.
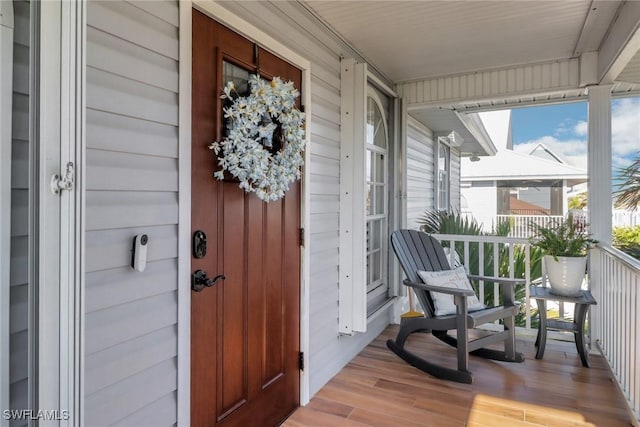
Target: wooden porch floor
{"x":378,"y":389}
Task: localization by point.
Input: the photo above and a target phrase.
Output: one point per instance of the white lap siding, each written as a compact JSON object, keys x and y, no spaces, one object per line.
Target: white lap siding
{"x":132,"y":188}
{"x":20,"y":235}
{"x":420,"y":178}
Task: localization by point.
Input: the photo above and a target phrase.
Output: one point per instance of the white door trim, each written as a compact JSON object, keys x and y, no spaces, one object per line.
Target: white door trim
{"x":60,"y":217}
{"x":48,"y":240}
{"x":184,"y":218}
{"x":225,"y":17}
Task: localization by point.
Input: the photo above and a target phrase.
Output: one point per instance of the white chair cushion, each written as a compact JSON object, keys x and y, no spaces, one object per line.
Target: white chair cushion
{"x":457,"y":279}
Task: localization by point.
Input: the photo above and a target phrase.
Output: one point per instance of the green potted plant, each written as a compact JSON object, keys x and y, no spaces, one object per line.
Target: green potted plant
{"x":564,"y":245}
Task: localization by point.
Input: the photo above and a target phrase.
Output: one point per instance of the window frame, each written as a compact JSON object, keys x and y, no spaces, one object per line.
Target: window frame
{"x":372,"y":287}
{"x":438,"y":191}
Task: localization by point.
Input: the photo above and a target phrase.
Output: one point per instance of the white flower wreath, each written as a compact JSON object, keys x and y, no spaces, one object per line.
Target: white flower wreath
{"x":252,"y":121}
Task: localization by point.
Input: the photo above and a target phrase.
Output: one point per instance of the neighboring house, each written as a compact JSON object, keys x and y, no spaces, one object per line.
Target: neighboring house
{"x":517,"y":186}
{"x":108,"y":109}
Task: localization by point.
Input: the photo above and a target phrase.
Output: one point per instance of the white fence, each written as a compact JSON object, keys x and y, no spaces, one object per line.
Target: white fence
{"x":520,"y":224}
{"x":475,"y":251}
{"x":623,"y":218}
{"x":616,"y":324}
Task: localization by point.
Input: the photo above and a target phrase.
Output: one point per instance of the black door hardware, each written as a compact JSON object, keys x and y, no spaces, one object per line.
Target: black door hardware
{"x":199,"y":280}
{"x":199,"y":244}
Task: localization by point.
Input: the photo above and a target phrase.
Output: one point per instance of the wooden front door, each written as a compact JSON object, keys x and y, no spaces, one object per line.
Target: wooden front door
{"x":245,"y":330}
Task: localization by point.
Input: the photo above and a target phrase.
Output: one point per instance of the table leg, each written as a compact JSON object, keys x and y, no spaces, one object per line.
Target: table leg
{"x":580,"y":316}
{"x":541,"y":340}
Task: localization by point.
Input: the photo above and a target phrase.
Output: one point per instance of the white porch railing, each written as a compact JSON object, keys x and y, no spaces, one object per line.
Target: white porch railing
{"x":520,"y":223}
{"x":489,"y":248}
{"x":616,"y":325}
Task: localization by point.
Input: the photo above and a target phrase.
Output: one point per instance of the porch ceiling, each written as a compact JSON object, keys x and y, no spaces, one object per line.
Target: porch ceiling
{"x":413,"y":40}
{"x":631,"y":73}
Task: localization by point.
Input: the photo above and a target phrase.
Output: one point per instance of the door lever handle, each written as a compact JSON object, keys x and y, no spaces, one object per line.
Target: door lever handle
{"x":199,"y":280}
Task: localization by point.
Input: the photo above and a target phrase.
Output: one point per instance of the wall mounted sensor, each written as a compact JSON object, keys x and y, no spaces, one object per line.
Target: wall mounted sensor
{"x":139,"y":252}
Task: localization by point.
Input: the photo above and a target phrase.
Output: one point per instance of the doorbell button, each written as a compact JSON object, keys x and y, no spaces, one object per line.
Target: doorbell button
{"x":139,"y":256}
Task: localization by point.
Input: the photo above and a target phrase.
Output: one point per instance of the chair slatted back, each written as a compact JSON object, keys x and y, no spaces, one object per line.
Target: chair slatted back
{"x":417,"y":251}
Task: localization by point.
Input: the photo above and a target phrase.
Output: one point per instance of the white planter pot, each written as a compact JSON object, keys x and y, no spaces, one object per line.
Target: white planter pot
{"x":566,"y":274}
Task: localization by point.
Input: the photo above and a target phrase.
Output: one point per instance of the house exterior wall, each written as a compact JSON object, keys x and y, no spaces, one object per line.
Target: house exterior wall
{"x":420,"y":172}
{"x":482,"y":202}
{"x":19,"y":269}
{"x":132,"y":188}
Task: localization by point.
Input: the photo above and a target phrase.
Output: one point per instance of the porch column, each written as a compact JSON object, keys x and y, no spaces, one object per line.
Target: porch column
{"x":599,"y":162}
{"x":599,"y":190}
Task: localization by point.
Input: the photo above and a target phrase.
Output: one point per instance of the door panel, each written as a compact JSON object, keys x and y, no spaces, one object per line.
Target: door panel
{"x":232,"y":306}
{"x":245,"y":329}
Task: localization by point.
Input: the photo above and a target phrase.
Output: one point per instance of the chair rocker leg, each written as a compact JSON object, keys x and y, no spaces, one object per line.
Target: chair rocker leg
{"x":432,"y":369}
{"x":410,"y":325}
{"x":485,"y":353}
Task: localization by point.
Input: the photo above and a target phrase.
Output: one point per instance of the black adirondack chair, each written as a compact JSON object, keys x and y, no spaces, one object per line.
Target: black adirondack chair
{"x":418,"y":251}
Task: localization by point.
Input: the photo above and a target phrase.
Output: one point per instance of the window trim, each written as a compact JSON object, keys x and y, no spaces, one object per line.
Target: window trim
{"x":436,"y":154}
{"x":352,"y":293}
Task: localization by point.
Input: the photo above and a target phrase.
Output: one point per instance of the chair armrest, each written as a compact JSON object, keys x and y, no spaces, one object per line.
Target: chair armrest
{"x":501,"y":280}
{"x":450,"y":291}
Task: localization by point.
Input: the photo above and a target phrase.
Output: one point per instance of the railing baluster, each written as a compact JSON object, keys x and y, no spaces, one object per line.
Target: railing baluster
{"x":496,"y":273}
{"x":636,"y":360}
{"x":527,"y":278}
{"x":619,"y":321}
{"x":481,"y":270}
{"x":466,"y":253}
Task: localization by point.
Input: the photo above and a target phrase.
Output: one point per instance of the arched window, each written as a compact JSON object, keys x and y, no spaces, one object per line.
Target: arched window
{"x":377,"y":201}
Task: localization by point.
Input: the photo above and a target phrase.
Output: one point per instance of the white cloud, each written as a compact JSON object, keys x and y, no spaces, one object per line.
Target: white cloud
{"x":581,"y":128}
{"x":625,"y":133}
{"x":625,"y":126}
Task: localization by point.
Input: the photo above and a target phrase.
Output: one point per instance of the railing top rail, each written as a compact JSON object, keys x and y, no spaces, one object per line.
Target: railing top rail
{"x":620,"y":256}
{"x":486,"y":239}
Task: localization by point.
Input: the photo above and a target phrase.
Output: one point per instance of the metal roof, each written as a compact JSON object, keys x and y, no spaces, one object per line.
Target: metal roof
{"x":469,"y":126}
{"x":507,"y":164}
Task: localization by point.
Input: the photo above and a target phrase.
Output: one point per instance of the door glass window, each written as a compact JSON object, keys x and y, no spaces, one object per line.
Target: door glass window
{"x":239,"y":77}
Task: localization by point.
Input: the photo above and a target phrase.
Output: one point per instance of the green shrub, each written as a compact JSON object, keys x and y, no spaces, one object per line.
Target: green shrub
{"x":627,"y":239}
{"x":623,"y":236}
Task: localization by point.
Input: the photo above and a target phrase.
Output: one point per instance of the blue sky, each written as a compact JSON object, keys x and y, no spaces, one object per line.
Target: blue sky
{"x":563,"y":128}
